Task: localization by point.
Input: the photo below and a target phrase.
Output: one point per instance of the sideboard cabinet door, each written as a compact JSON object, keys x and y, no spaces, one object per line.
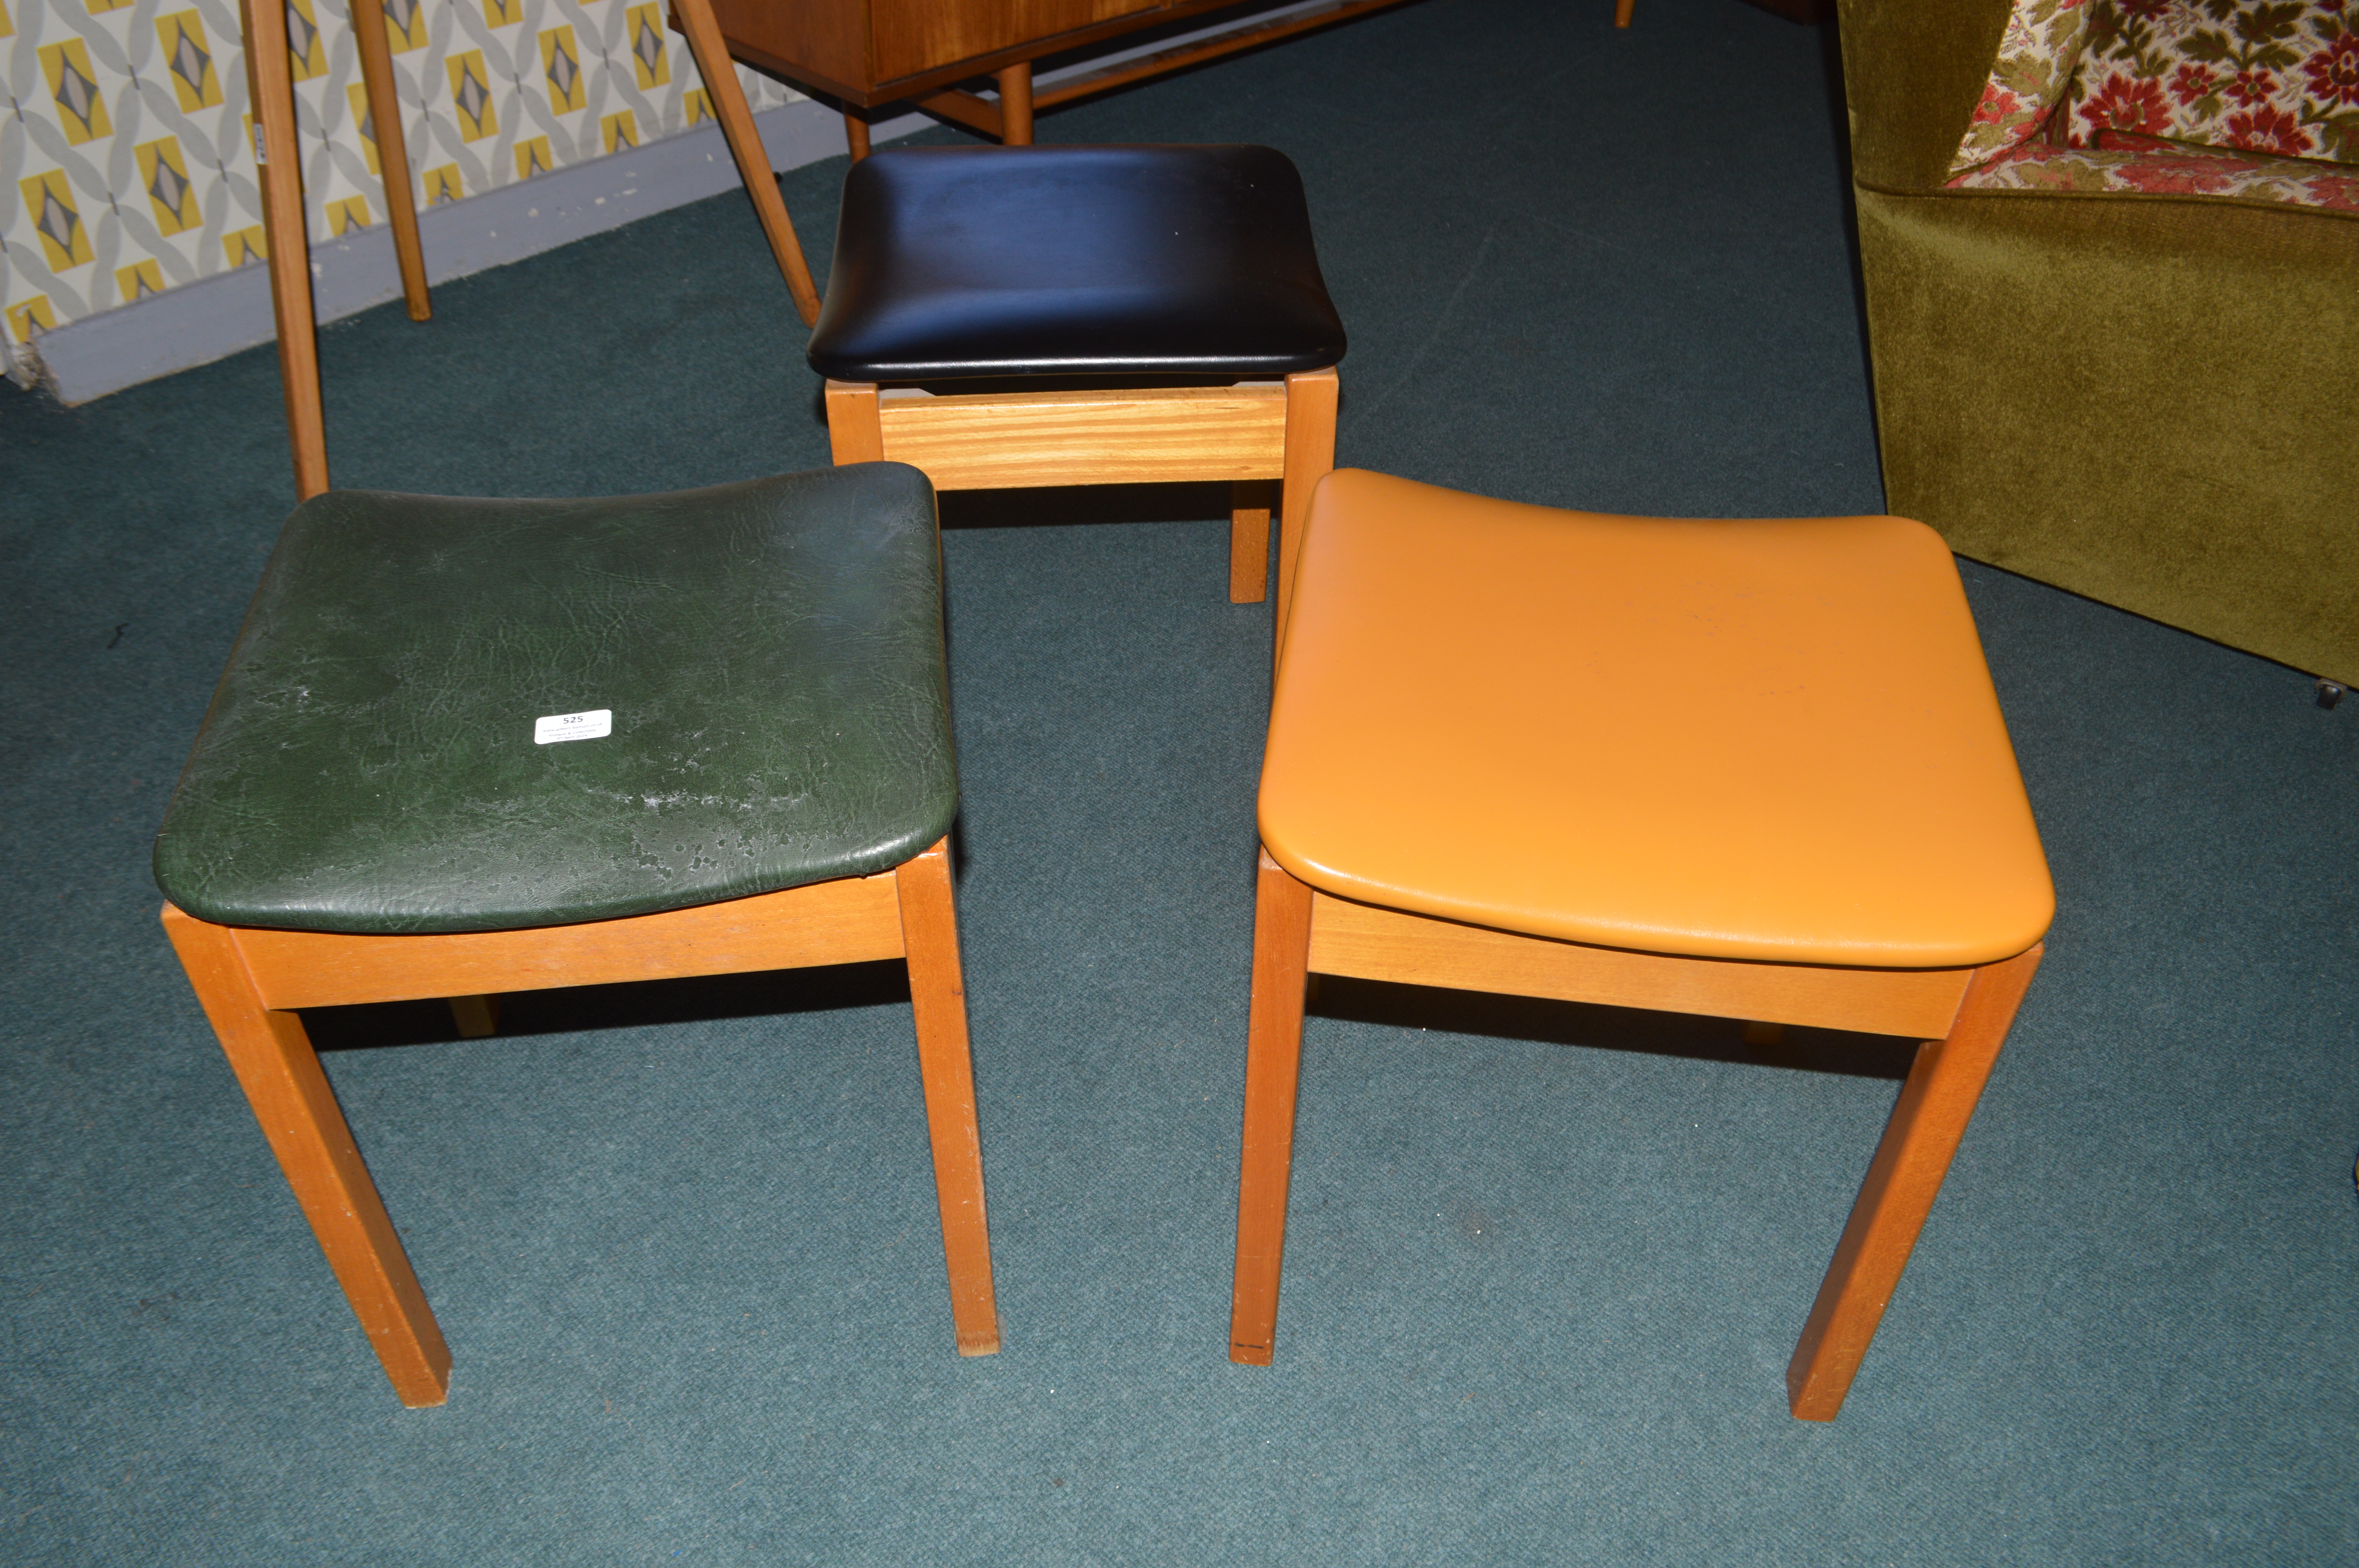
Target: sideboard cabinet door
{"x":913,"y":36}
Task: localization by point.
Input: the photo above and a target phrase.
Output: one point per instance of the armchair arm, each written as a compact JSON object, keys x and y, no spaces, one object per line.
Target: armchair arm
{"x":1913,"y":71}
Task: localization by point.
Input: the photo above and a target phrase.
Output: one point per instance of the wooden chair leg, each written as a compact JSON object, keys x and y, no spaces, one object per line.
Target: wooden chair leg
{"x":1310,"y":397}
{"x":275,"y":1064}
{"x":855,"y":424}
{"x":712,"y":63}
{"x":1273,"y":1066}
{"x":1918,"y":1143}
{"x":1248,"y":541}
{"x":271,"y":86}
{"x":1016,"y":104}
{"x":937,"y":995}
{"x":477,"y":1017}
{"x":392,"y":152}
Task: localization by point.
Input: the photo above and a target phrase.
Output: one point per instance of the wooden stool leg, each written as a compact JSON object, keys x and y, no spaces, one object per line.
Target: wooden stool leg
{"x":271,"y":86}
{"x":855,"y":137}
{"x":856,"y":427}
{"x":1248,"y":541}
{"x":478,"y":1017}
{"x":275,"y":1064}
{"x":937,"y":995}
{"x":392,"y":152}
{"x":1935,"y":1106}
{"x":1273,"y":1065}
{"x":1310,"y":397}
{"x":712,"y":63}
{"x":1016,"y":104}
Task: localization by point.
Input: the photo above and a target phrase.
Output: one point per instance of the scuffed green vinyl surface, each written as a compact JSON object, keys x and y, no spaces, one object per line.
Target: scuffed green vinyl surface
{"x":771,"y":652}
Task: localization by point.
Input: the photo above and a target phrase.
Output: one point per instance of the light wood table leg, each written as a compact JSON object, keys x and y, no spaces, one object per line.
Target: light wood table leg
{"x":855,"y":424}
{"x":392,"y":152}
{"x":720,"y":74}
{"x":272,"y":88}
{"x":280,"y":1074}
{"x":1016,"y":104}
{"x":1310,"y":398}
{"x":937,"y":995}
{"x":1273,"y":1068}
{"x":855,"y":137}
{"x":1248,"y":541}
{"x":1935,"y":1105}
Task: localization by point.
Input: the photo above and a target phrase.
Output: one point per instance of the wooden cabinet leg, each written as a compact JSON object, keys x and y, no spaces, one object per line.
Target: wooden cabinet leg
{"x":392,"y":152}
{"x":1935,"y":1105}
{"x":271,"y":87}
{"x":1272,"y":1066}
{"x":291,"y":1099}
{"x":1248,"y":541}
{"x":1016,"y":104}
{"x":937,"y":995}
{"x":728,"y":98}
{"x":1310,"y":398}
{"x":855,"y":425}
{"x":855,"y":137}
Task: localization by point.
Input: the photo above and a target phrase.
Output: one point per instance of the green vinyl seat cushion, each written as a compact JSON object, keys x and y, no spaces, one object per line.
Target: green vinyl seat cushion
{"x":770,"y":654}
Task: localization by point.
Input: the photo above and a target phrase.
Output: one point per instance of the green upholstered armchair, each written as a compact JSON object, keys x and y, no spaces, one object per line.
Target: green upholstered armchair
{"x":2148,"y":398}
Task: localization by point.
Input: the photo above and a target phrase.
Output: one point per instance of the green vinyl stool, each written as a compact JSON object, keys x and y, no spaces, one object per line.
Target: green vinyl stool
{"x":470,"y":747}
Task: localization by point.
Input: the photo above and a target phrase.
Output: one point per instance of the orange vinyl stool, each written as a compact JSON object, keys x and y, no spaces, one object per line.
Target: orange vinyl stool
{"x":1751,"y":770}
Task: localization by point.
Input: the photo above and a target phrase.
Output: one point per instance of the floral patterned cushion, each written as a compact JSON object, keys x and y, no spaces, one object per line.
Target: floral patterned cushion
{"x":2277,"y":77}
{"x":2147,"y":165}
{"x":2036,"y":56}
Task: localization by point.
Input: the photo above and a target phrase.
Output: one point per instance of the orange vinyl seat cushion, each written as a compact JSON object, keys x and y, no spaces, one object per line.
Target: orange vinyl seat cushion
{"x":1763,"y":738}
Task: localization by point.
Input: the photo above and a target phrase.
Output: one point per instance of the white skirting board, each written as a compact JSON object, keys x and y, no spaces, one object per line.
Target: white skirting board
{"x":214,"y":317}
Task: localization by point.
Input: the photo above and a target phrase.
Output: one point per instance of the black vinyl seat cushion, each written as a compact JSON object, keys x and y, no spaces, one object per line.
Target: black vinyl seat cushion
{"x":770,"y":651}
{"x":955,"y":263}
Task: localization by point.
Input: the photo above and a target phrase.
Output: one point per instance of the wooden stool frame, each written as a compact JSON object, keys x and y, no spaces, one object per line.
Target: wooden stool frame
{"x":1248,"y":434}
{"x":1961,"y":1016}
{"x":251,"y":982}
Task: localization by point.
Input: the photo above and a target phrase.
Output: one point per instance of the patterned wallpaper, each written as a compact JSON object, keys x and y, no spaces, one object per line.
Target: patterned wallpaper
{"x":126,"y":160}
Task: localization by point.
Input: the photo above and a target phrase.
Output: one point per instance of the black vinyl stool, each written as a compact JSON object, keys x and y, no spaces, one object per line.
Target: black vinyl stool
{"x":1011,"y":317}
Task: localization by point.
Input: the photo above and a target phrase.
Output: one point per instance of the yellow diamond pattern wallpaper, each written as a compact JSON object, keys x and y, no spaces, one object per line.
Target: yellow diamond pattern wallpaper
{"x":127,"y":166}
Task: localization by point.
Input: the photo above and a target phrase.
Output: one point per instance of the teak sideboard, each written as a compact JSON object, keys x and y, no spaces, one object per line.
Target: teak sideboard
{"x":867,"y":53}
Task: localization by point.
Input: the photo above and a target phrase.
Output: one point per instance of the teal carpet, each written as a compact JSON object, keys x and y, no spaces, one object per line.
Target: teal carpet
{"x":1547,"y":1263}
